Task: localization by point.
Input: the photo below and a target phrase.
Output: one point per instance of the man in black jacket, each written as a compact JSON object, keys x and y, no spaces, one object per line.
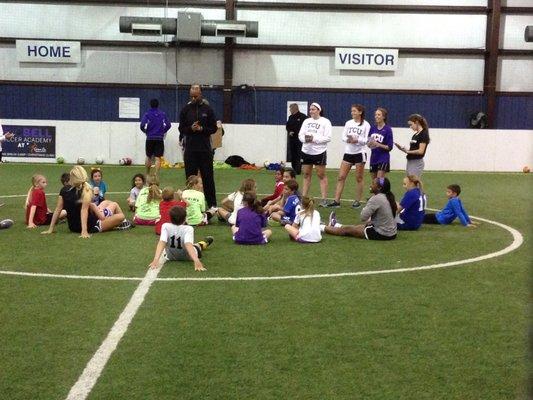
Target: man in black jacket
{"x":294,"y":123}
{"x":197,"y":124}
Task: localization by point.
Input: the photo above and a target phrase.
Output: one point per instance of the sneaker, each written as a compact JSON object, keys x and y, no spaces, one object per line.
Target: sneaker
{"x":212,"y":210}
{"x":209,"y":240}
{"x":356,"y":204}
{"x":323,"y":203}
{"x":333,"y":204}
{"x":124,"y":225}
{"x":332,"y":219}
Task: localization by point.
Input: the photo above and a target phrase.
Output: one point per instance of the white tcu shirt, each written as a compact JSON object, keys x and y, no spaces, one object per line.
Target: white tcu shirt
{"x":360,"y":132}
{"x":320,"y":129}
{"x":175,"y":236}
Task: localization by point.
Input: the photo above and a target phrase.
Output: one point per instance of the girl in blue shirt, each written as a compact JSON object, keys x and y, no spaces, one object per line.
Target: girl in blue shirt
{"x":98,"y":185}
{"x":411,"y":208}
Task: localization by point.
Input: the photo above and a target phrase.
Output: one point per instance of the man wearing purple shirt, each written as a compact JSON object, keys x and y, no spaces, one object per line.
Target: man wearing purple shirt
{"x":155,"y":124}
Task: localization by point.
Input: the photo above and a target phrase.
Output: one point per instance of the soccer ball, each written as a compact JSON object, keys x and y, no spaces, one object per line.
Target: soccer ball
{"x":6,"y":223}
{"x":60,"y":160}
{"x":99,"y":160}
{"x":81,"y":161}
{"x":125,"y":161}
{"x":526,"y":170}
{"x":266,"y":163}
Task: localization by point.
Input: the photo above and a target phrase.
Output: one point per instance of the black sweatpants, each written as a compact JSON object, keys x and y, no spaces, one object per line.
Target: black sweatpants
{"x":295,"y":152}
{"x":202,"y":161}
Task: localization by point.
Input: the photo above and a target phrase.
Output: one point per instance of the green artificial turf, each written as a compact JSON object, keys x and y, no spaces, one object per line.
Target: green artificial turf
{"x":457,"y":333}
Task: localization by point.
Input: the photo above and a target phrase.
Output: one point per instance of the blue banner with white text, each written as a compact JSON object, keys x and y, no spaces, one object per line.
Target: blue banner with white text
{"x":30,"y":141}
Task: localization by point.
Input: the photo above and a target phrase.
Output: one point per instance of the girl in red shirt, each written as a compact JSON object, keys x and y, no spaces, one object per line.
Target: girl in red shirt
{"x":170,"y":199}
{"x":37,"y":212}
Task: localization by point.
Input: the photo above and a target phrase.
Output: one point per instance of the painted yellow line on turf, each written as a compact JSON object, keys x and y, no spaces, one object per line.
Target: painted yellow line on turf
{"x":517,"y":242}
{"x":97,"y":363}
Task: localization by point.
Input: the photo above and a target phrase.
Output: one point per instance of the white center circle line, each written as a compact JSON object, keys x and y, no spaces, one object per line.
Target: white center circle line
{"x":516,"y":243}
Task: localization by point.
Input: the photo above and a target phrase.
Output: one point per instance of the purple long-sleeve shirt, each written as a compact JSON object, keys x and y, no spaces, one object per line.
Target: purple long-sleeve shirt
{"x":383,"y":136}
{"x":155,"y":124}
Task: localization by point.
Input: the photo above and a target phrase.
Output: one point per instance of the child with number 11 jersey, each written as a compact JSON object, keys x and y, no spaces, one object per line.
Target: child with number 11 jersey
{"x":177,"y":241}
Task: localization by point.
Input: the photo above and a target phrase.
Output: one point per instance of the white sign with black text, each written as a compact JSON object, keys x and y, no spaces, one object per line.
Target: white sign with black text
{"x":366,"y":59}
{"x":48,"y":51}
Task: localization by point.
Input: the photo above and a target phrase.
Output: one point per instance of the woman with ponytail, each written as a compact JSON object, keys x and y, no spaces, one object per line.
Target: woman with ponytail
{"x":411,"y":208}
{"x":378,"y":216}
{"x":83,"y":216}
{"x":417,"y":146}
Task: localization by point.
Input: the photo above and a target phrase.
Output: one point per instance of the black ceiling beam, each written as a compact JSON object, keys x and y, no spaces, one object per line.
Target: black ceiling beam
{"x":229,"y":46}
{"x":492,"y":41}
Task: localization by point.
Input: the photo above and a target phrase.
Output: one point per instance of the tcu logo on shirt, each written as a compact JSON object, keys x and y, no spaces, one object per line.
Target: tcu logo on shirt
{"x":377,"y":137}
{"x":313,"y":125}
{"x":353,"y":130}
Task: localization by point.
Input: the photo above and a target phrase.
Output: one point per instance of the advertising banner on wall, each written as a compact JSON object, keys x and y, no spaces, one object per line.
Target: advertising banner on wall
{"x":30,"y":141}
{"x":366,"y":59}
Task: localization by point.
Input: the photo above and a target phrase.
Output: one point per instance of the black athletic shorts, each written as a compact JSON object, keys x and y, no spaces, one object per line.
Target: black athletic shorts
{"x":359,"y":158}
{"x":155,"y":148}
{"x":317,"y":159}
{"x":371,"y":234}
{"x":380,"y":167}
{"x":431,"y":218}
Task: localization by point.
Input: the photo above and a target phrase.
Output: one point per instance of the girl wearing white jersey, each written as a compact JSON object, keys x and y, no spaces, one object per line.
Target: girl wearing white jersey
{"x":355,"y":135}
{"x":315,"y":135}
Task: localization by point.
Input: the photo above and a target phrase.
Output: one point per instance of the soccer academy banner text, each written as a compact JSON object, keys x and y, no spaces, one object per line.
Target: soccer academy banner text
{"x":30,"y":141}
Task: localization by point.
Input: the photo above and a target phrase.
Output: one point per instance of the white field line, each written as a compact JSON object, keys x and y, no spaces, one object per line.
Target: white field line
{"x":96,"y":365}
{"x":516,"y":243}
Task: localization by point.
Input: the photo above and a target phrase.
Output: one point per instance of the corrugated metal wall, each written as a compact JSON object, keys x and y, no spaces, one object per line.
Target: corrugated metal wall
{"x":258,"y":106}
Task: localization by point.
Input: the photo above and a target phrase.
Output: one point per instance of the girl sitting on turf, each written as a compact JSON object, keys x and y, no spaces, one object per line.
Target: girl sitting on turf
{"x":306,"y":225}
{"x":278,"y":188}
{"x":233,"y":203}
{"x":99,"y":187}
{"x":411,"y":208}
{"x":378,"y":216}
{"x":453,"y":209}
{"x":137,"y":183}
{"x":170,"y":199}
{"x":83,"y":216}
{"x":147,"y":204}
{"x":251,"y":222}
{"x":278,"y":203}
{"x":195,"y":199}
{"x":37,"y":212}
{"x":177,"y":241}
{"x":292,"y":204}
